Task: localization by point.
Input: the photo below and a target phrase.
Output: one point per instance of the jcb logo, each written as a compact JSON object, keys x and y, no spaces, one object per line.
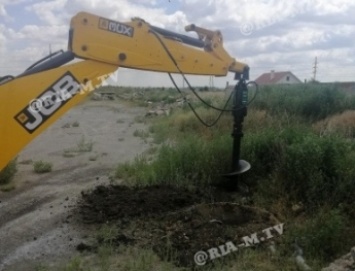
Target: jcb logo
{"x":50,"y":101}
{"x":116,"y":27}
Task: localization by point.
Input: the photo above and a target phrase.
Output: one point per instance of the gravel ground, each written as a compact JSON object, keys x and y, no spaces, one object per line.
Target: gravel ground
{"x":36,"y":223}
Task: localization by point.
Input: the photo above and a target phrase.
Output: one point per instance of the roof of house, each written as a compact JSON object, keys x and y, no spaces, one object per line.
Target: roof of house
{"x":265,"y":78}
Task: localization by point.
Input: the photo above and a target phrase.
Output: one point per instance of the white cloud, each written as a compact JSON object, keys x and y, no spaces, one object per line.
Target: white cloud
{"x":2,"y":43}
{"x":50,"y":12}
{"x":44,"y":34}
{"x":332,"y":6}
{"x":4,"y":3}
{"x":2,"y":36}
{"x":284,"y":34}
{"x":124,"y":10}
{"x":3,"y":12}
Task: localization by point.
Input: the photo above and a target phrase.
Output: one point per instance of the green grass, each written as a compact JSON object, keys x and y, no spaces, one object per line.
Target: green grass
{"x":81,"y":147}
{"x":8,"y":173}
{"x":191,"y":162}
{"x":141,"y":133}
{"x":75,"y":124}
{"x":301,"y":164}
{"x":323,"y":236}
{"x":84,"y":146}
{"x":41,"y":267}
{"x":42,"y":167}
{"x":309,"y":101}
{"x":93,"y":158}
{"x":7,"y":187}
{"x":106,"y":234}
{"x":75,"y":264}
{"x":145,"y":260}
{"x":183,"y":122}
{"x":125,"y":258}
{"x":291,"y":163}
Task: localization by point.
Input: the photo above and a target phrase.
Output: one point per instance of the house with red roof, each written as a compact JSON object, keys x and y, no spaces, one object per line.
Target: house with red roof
{"x":277,"y":78}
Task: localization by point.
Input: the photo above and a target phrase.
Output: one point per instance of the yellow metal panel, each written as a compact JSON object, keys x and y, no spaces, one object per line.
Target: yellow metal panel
{"x":30,"y":104}
{"x":105,"y":40}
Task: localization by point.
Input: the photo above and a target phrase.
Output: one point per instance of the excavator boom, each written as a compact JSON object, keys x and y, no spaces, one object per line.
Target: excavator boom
{"x":35,"y":99}
{"x":138,"y":45}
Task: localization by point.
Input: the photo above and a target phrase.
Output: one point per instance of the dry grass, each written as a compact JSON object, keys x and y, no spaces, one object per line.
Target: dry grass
{"x":188,"y":123}
{"x":258,"y":118}
{"x":343,"y":124}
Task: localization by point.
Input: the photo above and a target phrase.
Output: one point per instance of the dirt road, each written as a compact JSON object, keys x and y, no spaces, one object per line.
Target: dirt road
{"x":35,"y":219}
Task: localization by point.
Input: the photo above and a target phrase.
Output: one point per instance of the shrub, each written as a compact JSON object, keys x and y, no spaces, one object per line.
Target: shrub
{"x":75,"y":124}
{"x":8,"y":173}
{"x":324,"y":236}
{"x":84,"y":146}
{"x":312,"y":102}
{"x":42,"y":167}
{"x":309,"y":168}
{"x":313,"y":169}
{"x":141,"y":133}
{"x":189,"y":162}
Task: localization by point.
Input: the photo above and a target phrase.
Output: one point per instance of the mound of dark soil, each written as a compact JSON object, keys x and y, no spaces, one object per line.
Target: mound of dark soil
{"x":110,"y":203}
{"x":174,"y":220}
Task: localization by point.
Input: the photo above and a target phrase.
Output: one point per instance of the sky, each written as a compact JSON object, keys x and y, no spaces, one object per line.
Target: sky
{"x":268,"y":35}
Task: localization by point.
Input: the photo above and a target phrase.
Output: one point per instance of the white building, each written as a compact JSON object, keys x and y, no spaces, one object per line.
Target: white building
{"x":277,"y":78}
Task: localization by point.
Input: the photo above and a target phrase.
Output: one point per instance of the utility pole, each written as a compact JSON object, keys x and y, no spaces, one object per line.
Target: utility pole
{"x":315,"y":67}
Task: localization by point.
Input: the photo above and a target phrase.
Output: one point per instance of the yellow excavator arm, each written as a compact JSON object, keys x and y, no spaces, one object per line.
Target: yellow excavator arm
{"x":35,"y":99}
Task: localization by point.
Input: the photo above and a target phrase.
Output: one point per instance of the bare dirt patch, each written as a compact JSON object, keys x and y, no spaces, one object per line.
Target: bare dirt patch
{"x":36,"y":220}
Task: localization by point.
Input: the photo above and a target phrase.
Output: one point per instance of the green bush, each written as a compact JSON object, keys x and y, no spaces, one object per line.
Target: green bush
{"x":8,"y":173}
{"x":312,"y":102}
{"x":42,"y":167}
{"x":189,"y":162}
{"x":295,"y":161}
{"x":325,"y":236}
{"x":310,"y":168}
{"x":261,"y":151}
